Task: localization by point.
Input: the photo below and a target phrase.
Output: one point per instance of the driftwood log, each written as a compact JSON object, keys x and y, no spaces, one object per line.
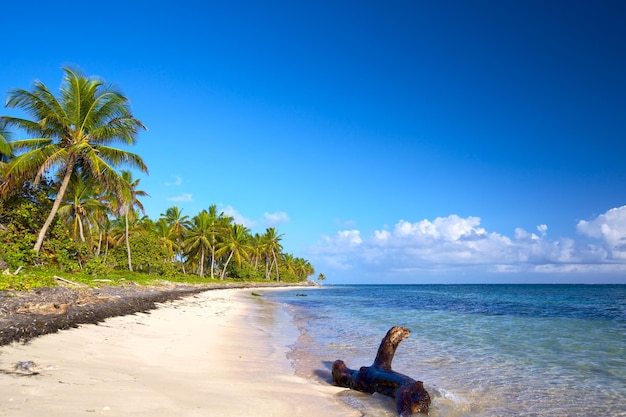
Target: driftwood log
{"x":410,"y":395}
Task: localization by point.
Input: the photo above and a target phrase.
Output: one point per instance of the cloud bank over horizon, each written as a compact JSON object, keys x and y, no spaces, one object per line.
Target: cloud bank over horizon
{"x":452,"y":244}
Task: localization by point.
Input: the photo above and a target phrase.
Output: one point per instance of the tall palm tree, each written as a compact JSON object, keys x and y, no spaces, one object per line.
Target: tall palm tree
{"x":179,"y":225}
{"x":273,"y":248}
{"x":167,"y":237}
{"x":303,"y":268}
{"x":219,"y":225}
{"x":257,"y":250}
{"x":72,"y":130}
{"x":198,"y":239}
{"x":128,"y":202}
{"x":128,"y":226}
{"x":81,"y":208}
{"x":289,"y":263}
{"x":236,"y":244}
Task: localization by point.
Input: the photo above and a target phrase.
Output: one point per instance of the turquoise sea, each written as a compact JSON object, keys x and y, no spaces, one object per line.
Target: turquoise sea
{"x":481,"y":350}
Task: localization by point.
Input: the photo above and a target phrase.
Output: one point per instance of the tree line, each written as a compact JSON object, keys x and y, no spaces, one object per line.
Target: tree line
{"x":67,"y":202}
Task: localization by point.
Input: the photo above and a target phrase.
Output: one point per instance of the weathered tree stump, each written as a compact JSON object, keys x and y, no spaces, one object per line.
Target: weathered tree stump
{"x":410,"y":395}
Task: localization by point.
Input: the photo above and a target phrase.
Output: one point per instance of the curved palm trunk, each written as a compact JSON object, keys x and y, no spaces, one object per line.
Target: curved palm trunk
{"x":226,"y":264}
{"x":55,"y":207}
{"x":130,"y":265}
{"x":268,"y":268}
{"x":81,"y":231}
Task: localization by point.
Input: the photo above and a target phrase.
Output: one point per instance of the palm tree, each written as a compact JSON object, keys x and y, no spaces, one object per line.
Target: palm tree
{"x":303,"y":268}
{"x":81,"y":207}
{"x":72,"y":130}
{"x":219,"y":226}
{"x":272,"y":248}
{"x":289,"y":263}
{"x":236,"y":244}
{"x":128,"y":201}
{"x":123,"y":228}
{"x":198,"y":239}
{"x":179,"y":225}
{"x":257,"y":250}
{"x":167,"y":237}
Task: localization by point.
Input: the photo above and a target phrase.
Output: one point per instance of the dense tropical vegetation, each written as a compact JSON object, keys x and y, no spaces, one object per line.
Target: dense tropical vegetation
{"x":67,"y":204}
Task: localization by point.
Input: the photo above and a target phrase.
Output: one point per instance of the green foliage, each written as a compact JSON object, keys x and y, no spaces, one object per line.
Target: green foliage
{"x":244,"y":272}
{"x":62,"y":252}
{"x":288,"y":275}
{"x":24,"y":282}
{"x":148,"y":255}
{"x":21,"y":215}
{"x":97,"y":266}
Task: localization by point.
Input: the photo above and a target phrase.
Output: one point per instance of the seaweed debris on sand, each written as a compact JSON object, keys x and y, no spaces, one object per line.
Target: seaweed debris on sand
{"x":25,"y":315}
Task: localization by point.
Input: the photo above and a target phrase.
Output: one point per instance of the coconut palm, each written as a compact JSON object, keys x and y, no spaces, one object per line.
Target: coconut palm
{"x":179,"y":225}
{"x":128,"y":203}
{"x":197,"y":244}
{"x":82,"y":207}
{"x":72,"y":130}
{"x":167,"y":237}
{"x":219,"y":226}
{"x":303,"y":268}
{"x":272,"y":249}
{"x":236,"y":245}
{"x":125,"y":227}
{"x":256,"y":253}
{"x":288,"y":263}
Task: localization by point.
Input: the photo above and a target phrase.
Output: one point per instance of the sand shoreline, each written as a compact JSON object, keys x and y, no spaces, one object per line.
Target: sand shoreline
{"x":216,"y":353}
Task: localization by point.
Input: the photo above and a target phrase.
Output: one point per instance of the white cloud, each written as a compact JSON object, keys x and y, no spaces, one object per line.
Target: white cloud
{"x":610,"y":228}
{"x":238,"y":217}
{"x":543,"y":229}
{"x":274,"y":219}
{"x":350,"y":237}
{"x":182,"y":198}
{"x":454,"y":243}
{"x":177,"y":181}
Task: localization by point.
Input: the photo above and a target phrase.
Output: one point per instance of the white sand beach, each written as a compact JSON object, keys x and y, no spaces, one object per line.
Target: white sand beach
{"x":219,"y":353}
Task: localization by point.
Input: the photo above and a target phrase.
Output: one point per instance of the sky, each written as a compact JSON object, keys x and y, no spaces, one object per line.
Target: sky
{"x":452,"y":141}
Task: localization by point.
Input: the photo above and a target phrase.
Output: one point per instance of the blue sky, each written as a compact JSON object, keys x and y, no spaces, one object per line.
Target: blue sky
{"x":396,"y":141}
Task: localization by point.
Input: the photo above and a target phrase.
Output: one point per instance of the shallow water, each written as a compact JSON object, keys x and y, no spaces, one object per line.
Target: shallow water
{"x":481,"y":350}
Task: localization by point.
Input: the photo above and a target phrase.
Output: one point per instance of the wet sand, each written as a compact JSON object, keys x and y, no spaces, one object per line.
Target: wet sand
{"x":216,"y":353}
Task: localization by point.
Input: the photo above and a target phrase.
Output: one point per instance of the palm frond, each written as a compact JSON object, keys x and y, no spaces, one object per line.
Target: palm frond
{"x":5,"y":141}
{"x":117,"y":157}
{"x":24,"y":145}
